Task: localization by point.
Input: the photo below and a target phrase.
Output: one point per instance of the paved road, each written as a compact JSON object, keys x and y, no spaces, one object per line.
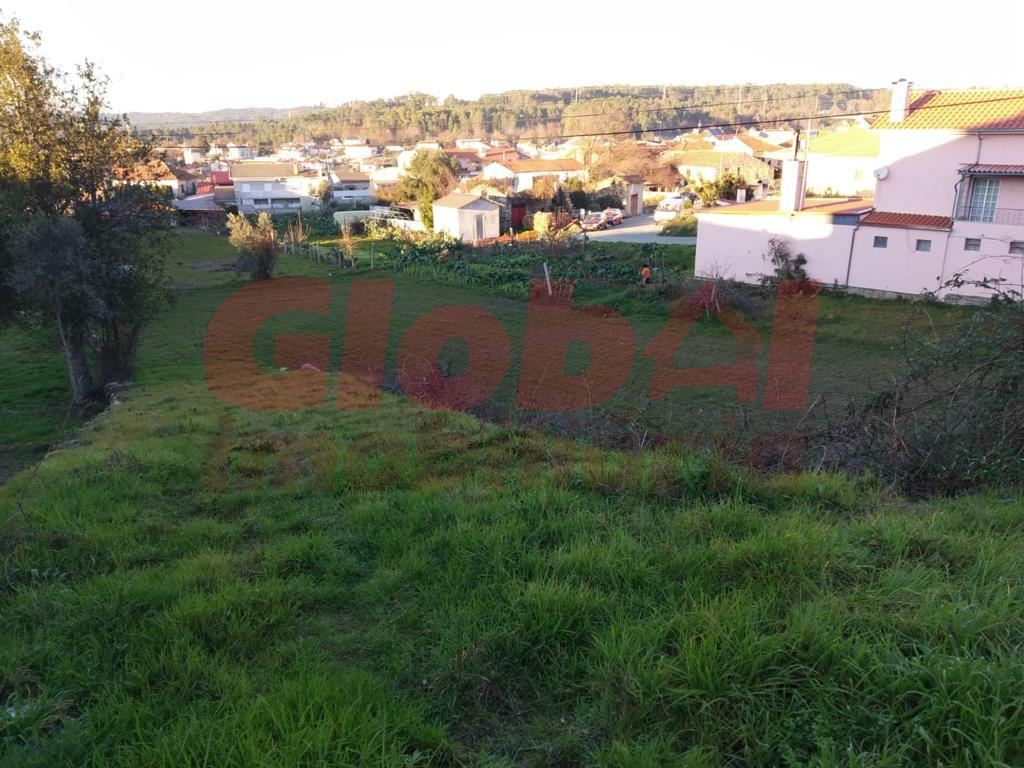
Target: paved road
{"x":639,"y":229}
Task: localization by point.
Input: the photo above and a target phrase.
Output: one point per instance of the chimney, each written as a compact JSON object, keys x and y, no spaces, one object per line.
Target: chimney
{"x":899,"y":103}
{"x":794,"y":185}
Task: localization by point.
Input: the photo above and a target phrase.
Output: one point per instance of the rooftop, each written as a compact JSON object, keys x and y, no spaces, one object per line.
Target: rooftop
{"x":263,"y":170}
{"x":813,"y":206}
{"x":907,"y":220}
{"x":854,"y":142}
{"x":756,"y":144}
{"x":710,"y":159}
{"x":154,"y":170}
{"x":540,"y":166}
{"x":459,"y":200}
{"x":961,"y":111}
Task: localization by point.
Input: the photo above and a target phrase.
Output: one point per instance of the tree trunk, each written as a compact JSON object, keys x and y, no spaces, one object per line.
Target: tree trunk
{"x":82,"y":386}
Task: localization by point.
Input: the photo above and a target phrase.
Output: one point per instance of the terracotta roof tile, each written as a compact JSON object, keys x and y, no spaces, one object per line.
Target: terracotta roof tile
{"x":993,"y":169}
{"x":710,"y":159}
{"x":154,"y":170}
{"x":756,"y":144}
{"x":541,"y":166}
{"x":263,"y":170}
{"x":961,"y":111}
{"x":907,"y":220}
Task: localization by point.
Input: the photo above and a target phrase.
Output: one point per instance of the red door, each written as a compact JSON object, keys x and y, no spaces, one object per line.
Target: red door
{"x":518,"y":212}
{"x":634,"y":204}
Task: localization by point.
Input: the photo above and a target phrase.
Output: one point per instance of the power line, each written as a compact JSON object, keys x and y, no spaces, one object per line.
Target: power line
{"x":743,"y":123}
{"x":768,"y":121}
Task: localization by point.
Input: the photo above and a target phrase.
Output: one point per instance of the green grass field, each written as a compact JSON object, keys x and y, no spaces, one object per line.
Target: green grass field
{"x":196,"y":584}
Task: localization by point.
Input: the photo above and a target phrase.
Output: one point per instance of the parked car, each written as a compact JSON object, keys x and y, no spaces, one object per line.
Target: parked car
{"x":594,"y":221}
{"x":613,"y":216}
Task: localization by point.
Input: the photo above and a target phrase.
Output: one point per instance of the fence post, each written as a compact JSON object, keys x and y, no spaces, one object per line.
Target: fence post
{"x":371,"y":255}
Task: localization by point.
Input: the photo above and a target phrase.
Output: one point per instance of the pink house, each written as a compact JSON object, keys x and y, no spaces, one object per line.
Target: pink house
{"x":948,"y":200}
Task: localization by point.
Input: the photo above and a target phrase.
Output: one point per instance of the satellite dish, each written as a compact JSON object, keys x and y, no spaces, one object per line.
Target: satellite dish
{"x":881,"y":173}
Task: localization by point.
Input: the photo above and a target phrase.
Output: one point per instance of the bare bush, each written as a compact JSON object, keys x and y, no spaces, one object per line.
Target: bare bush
{"x":955,"y":420}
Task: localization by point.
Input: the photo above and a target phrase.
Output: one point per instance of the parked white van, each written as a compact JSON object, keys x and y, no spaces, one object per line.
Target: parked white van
{"x":671,"y":207}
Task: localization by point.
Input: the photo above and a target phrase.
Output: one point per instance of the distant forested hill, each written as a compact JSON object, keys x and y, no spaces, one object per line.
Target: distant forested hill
{"x":524,"y":114}
{"x":165,"y":120}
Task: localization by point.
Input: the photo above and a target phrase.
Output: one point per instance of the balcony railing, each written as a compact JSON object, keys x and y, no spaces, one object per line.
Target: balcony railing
{"x":990,"y":215}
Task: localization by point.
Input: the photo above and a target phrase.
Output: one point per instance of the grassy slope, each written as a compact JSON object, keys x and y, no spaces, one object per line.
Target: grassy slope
{"x":200,"y":585}
{"x":34,"y":393}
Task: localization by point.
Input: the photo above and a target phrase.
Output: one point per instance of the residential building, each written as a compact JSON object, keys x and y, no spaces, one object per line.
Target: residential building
{"x":475,"y":145}
{"x":627,"y":189}
{"x":708,"y":165}
{"x":180,"y":182}
{"x":360,"y":151}
{"x":350,"y":187}
{"x":839,"y":162}
{"x":747,"y":144}
{"x":193,"y":155}
{"x":290,"y":153}
{"x":467,"y":217}
{"x":523,"y":173}
{"x":384,"y":179}
{"x":528,"y":149}
{"x":237,"y":152}
{"x":948,"y":200}
{"x":263,"y":186}
{"x":780,"y":137}
{"x":501,"y":152}
{"x":468,"y":160}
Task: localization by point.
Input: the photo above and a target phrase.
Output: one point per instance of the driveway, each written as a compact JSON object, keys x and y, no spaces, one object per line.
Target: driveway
{"x":639,"y":229}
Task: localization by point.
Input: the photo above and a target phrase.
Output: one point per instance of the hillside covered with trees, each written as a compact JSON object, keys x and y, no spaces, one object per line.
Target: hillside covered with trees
{"x":540,"y":114}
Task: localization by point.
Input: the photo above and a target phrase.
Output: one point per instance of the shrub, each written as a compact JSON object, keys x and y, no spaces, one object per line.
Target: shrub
{"x":684,"y":225}
{"x":954,"y":420}
{"x":257,"y":245}
{"x":786,"y":266}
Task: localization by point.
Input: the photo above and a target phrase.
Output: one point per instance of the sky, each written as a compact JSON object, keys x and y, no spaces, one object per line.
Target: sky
{"x":201,"y":55}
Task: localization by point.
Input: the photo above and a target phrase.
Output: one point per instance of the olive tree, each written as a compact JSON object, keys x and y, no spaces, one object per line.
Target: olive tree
{"x":257,"y":244}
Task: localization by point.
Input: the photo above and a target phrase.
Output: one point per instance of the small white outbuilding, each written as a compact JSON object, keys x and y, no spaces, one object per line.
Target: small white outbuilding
{"x":467,"y":217}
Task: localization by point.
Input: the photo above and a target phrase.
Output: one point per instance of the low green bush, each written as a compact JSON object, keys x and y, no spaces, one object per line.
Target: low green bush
{"x":684,"y":225}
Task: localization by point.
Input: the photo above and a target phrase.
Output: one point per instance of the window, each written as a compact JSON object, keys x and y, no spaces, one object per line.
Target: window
{"x":923,"y":246}
{"x":972,"y":244}
{"x":260,"y":201}
{"x":1017,"y":247}
{"x":881,"y":241}
{"x":983,"y":200}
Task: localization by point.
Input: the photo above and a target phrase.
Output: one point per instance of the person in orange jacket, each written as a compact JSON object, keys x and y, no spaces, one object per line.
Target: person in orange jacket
{"x":645,"y":275}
